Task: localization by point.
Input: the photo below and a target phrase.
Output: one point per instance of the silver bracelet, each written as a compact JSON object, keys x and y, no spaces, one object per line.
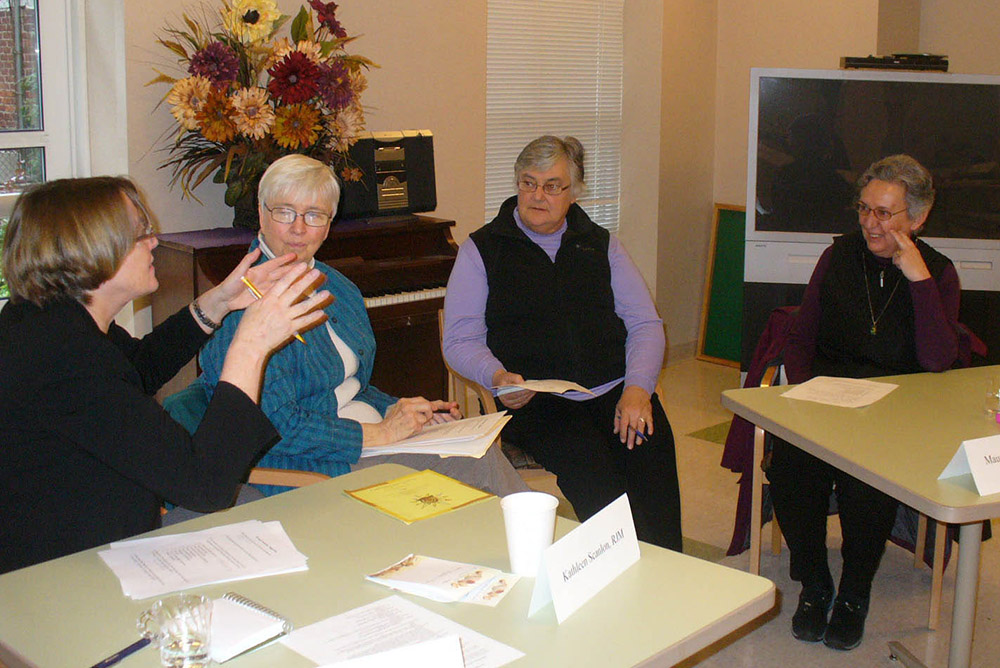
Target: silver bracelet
{"x":202,"y":318}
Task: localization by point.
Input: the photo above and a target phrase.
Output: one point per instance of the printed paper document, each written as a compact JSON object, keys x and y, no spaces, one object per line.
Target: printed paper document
{"x":159,"y":565}
{"x":845,"y":392}
{"x":551,"y":385}
{"x":470,"y":437}
{"x":446,"y":581}
{"x":387,"y":624}
{"x":418,"y":496}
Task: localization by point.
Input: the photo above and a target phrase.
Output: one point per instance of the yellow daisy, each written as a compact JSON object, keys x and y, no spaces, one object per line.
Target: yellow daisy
{"x":252,"y":114}
{"x":186,"y":99}
{"x":296,"y":125}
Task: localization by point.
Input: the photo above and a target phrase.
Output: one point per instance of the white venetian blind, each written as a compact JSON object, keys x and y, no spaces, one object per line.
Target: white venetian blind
{"x":555,"y":67}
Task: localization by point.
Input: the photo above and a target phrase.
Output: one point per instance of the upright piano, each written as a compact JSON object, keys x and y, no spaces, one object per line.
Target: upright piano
{"x":401,"y":264}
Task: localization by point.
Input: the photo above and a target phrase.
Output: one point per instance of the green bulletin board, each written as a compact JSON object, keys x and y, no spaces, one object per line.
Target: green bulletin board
{"x":722,"y":310}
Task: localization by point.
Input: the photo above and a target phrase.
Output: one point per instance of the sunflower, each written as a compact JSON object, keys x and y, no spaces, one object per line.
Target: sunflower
{"x":296,"y":125}
{"x":250,"y":20}
{"x":294,"y":79}
{"x":252,"y":114}
{"x":215,"y":118}
{"x":186,"y":99}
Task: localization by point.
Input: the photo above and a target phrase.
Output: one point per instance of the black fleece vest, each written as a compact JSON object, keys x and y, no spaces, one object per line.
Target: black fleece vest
{"x":845,"y":345}
{"x":552,"y":319}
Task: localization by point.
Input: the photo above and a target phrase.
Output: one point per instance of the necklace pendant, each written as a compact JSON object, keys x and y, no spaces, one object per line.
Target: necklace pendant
{"x":872,"y":330}
{"x":881,"y":281}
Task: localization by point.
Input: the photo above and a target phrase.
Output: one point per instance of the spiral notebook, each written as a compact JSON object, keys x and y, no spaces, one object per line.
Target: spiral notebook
{"x":239,"y":625}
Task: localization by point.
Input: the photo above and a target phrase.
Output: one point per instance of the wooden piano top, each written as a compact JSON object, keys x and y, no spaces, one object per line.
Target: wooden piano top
{"x":378,"y":254}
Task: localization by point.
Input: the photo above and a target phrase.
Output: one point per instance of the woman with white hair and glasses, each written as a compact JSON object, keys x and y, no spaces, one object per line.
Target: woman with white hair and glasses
{"x":318,"y":393}
{"x":880,"y":302}
{"x":87,"y":455}
{"x":544,"y":292}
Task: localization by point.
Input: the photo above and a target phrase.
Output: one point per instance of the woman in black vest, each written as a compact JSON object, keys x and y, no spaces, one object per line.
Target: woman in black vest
{"x":544,"y":292}
{"x":880,"y":302}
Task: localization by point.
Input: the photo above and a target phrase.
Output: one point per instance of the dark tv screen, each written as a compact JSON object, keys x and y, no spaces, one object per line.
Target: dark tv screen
{"x":815,"y":136}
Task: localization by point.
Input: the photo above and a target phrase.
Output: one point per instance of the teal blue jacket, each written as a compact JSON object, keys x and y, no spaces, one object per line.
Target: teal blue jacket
{"x":299,"y":396}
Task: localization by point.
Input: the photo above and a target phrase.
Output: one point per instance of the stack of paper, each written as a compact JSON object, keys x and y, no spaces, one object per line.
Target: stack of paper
{"x":387,"y":624}
{"x":155,"y":566}
{"x":470,"y":437}
{"x":446,"y":581}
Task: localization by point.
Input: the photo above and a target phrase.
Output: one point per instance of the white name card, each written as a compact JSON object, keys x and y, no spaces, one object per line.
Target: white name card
{"x":586,"y":560}
{"x":981,"y":458}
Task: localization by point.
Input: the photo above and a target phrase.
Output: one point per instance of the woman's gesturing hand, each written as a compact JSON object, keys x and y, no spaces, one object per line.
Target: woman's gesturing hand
{"x":908,"y":258}
{"x":282,"y":311}
{"x":232,"y":294}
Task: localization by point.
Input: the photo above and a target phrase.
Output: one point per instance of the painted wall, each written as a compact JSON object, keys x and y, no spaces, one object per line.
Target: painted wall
{"x":687,"y":112}
{"x":968,"y":32}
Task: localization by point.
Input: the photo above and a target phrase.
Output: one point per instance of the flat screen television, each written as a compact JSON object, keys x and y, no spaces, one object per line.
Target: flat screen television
{"x":813,"y":132}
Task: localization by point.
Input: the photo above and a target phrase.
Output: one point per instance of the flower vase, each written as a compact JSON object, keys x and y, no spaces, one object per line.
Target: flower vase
{"x":245,"y":212}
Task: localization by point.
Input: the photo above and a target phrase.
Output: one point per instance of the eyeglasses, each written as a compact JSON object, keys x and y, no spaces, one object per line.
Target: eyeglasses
{"x":147,"y":233}
{"x":286,"y":216}
{"x":881,"y":214}
{"x":550,"y":188}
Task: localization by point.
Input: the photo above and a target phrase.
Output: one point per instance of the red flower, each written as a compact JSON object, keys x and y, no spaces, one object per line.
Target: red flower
{"x":326,"y":13}
{"x":217,"y":63}
{"x":335,"y":86}
{"x":294,"y":79}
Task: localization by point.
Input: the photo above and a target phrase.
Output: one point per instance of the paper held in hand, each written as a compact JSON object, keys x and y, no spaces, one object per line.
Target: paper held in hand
{"x":551,"y":385}
{"x":470,"y":437}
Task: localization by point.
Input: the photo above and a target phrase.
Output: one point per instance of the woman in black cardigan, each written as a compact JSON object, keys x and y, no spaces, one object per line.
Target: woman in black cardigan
{"x":87,"y":455}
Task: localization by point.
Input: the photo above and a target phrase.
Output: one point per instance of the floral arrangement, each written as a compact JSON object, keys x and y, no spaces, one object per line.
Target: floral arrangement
{"x":251,"y":97}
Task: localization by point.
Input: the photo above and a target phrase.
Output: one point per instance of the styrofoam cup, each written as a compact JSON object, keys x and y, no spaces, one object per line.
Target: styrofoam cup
{"x":530,"y":521}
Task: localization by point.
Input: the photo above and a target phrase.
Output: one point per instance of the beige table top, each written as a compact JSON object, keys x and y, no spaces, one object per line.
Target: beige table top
{"x":919,"y":427}
{"x":71,"y":612}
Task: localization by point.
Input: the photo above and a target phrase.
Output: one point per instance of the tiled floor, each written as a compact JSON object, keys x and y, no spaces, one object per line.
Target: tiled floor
{"x":900,"y":594}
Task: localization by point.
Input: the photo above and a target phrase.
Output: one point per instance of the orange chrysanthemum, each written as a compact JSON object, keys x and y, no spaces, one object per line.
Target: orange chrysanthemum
{"x":296,"y":125}
{"x":216,"y":119}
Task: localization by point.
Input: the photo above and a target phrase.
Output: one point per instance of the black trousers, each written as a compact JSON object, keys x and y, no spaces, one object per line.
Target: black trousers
{"x":800,"y":491}
{"x":574,"y":441}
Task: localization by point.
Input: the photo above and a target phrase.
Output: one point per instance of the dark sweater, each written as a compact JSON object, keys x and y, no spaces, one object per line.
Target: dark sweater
{"x":552,"y":319}
{"x":86,"y":454}
{"x":832,"y":333}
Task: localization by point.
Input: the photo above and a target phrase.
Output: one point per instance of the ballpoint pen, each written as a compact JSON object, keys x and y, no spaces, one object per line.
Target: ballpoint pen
{"x":256,"y":293}
{"x":121,"y":654}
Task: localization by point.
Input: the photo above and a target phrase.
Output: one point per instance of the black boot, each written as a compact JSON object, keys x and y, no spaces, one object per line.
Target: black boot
{"x":809,"y":620}
{"x":847,"y":624}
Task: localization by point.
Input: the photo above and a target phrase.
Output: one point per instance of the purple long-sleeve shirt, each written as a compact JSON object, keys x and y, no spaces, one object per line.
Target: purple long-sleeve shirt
{"x":465,"y":316}
{"x":935,"y":315}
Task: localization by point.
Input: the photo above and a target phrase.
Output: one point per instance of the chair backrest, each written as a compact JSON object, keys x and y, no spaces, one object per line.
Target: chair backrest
{"x":462,"y":390}
{"x":188,"y":407}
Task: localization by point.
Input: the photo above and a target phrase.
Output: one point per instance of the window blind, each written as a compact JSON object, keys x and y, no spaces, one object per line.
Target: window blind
{"x":555,"y":67}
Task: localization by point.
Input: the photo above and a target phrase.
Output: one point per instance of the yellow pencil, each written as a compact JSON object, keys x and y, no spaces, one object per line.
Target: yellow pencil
{"x":256,"y":293}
